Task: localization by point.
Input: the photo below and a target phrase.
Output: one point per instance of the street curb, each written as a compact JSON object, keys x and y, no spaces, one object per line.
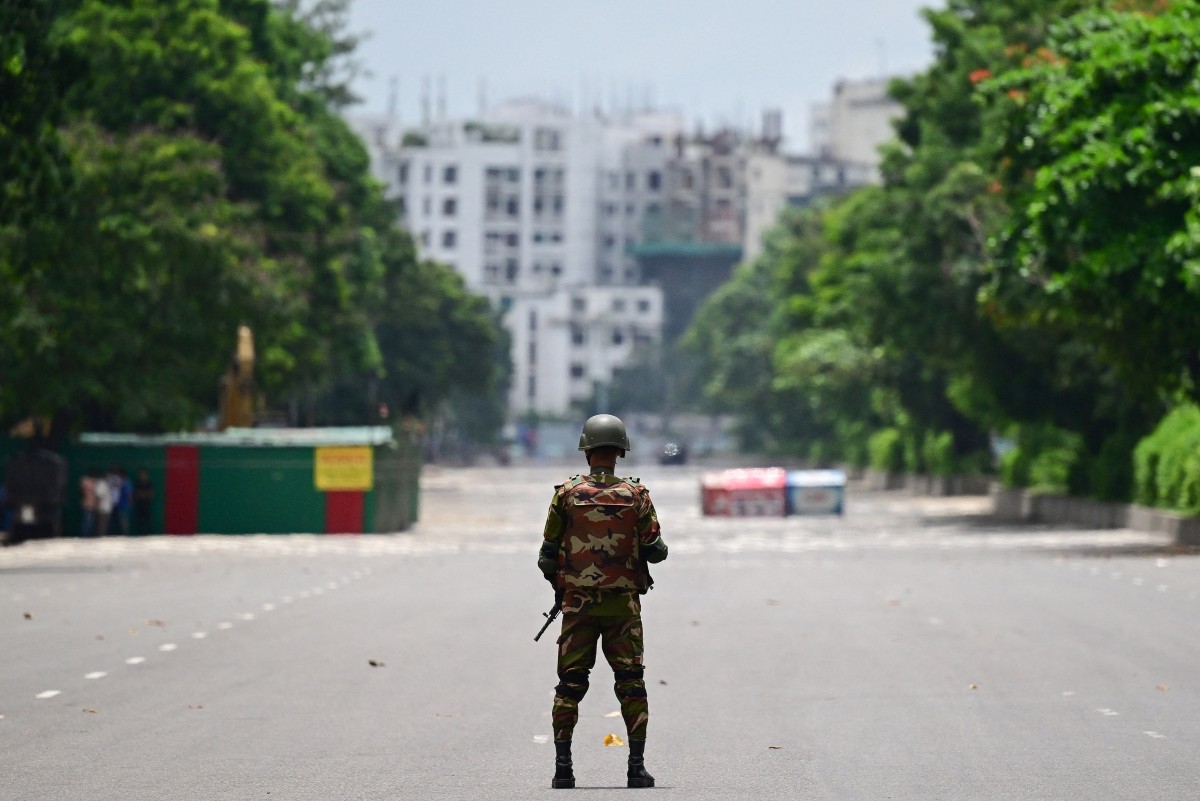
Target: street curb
{"x":1033,"y":507}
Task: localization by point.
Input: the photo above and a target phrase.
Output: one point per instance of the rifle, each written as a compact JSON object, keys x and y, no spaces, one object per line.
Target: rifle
{"x":550,"y":616}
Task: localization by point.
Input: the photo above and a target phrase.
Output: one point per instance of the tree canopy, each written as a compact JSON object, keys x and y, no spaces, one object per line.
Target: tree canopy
{"x":181,"y":169}
{"x":1026,"y":274}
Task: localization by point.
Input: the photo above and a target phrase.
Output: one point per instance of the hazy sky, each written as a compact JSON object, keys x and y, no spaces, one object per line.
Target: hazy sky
{"x":714,"y":61}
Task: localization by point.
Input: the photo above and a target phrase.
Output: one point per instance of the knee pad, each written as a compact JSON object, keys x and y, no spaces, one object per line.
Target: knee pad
{"x":632,"y":693}
{"x":627,"y":674}
{"x":572,"y":684}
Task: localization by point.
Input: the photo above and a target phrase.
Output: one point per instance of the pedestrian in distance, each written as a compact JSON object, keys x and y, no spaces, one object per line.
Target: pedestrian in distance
{"x":123,"y":500}
{"x":143,"y":502}
{"x":600,"y":534}
{"x":87,"y":503}
{"x":104,"y":503}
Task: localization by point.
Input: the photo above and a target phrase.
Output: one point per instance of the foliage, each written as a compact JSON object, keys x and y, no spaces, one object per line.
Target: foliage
{"x":886,"y":450}
{"x":183,"y":171}
{"x":1167,"y":463}
{"x":981,"y":288}
{"x":1098,"y":142}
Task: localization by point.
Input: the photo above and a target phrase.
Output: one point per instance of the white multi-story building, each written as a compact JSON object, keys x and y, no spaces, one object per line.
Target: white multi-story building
{"x":851,"y":127}
{"x":516,"y":202}
{"x":845,"y":135}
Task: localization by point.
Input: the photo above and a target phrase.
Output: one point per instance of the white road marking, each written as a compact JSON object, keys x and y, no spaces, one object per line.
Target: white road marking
{"x":268,"y":607}
{"x":318,"y":591}
{"x":1095,"y":571}
{"x":167,"y":646}
{"x":304,"y":593}
{"x":224,"y":625}
{"x":245,"y":616}
{"x":1155,"y":735}
{"x":1116,"y":575}
{"x":1069,"y":693}
{"x":1162,"y":588}
{"x":1107,"y":712}
{"x":287,"y":599}
{"x":47,"y":694}
{"x":199,"y":635}
{"x":537,"y":738}
{"x":1137,"y":582}
{"x":135,"y":660}
{"x":96,"y":674}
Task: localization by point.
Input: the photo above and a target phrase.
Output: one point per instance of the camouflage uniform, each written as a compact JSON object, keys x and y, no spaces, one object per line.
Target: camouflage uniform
{"x":600,"y":533}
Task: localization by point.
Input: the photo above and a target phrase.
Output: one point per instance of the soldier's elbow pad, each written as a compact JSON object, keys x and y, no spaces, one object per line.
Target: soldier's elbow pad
{"x":656,"y":551}
{"x":548,"y":566}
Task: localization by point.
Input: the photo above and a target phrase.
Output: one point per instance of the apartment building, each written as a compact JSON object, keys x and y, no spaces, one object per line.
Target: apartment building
{"x":845,"y":135}
{"x":517,"y":202}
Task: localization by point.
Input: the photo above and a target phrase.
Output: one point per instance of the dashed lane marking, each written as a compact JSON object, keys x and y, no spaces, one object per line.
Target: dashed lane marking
{"x":199,"y":635}
{"x":1107,"y":712}
{"x":268,"y":607}
{"x":168,"y":646}
{"x":96,"y":674}
{"x":135,"y":660}
{"x":47,"y":694}
{"x":224,"y":625}
{"x":1155,"y":735}
{"x":246,"y":616}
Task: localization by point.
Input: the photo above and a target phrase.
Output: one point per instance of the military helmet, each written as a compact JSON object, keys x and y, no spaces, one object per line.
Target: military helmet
{"x":603,"y":429}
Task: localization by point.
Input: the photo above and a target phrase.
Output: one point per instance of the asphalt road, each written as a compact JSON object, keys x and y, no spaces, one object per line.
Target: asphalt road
{"x":911,"y":650}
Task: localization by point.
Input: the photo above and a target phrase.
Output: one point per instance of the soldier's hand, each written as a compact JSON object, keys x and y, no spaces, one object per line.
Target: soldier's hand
{"x":550,"y":578}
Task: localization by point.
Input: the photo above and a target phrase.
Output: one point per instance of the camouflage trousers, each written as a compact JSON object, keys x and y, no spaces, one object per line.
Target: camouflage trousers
{"x":621,"y":639}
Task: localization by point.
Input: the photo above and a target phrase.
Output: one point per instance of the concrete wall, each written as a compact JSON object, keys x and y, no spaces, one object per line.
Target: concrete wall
{"x":1024,"y":506}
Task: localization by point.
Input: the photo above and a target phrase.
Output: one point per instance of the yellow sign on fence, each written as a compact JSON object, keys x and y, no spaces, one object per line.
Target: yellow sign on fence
{"x":344,"y":468}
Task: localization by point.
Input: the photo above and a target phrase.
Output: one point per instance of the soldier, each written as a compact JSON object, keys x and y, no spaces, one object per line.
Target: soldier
{"x":600,"y":534}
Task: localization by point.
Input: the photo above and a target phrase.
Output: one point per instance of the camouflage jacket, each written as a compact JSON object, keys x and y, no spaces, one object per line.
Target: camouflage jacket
{"x":600,"y":533}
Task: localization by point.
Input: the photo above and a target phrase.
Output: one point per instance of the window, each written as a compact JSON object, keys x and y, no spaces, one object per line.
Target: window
{"x":618,"y":336}
{"x":578,"y":337}
{"x":402,"y":173}
{"x":643,"y":306}
{"x":654,"y":180}
{"x":556,"y":269}
{"x":538,"y":236}
{"x":449,"y":207}
{"x":724,"y":178}
{"x":557,"y":204}
{"x":533,"y":320}
{"x":547,"y":139}
{"x":631,"y":180}
{"x":449,"y":239}
{"x":512,"y":207}
{"x":556,"y":236}
{"x":531,"y":387}
{"x":577,"y":370}
{"x":532,"y":354}
{"x":618,"y":304}
{"x":510,"y":270}
{"x":687,"y":180}
{"x":450,"y":174}
{"x":579,"y":304}
{"x":512,"y":240}
{"x":428,"y":173}
{"x":427,"y":206}
{"x":425,"y":238}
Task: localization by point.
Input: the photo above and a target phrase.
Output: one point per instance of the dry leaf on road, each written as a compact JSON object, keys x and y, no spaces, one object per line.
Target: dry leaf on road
{"x":613,"y":740}
{"x":28,"y":616}
{"x":774,"y":747}
{"x":376,"y":663}
{"x":89,"y":710}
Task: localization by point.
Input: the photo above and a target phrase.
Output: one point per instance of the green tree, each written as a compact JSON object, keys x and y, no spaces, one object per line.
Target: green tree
{"x":1099,"y":136}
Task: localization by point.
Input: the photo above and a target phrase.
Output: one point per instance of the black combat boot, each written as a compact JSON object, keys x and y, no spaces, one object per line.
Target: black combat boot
{"x":638,"y":777}
{"x":564,"y":777}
